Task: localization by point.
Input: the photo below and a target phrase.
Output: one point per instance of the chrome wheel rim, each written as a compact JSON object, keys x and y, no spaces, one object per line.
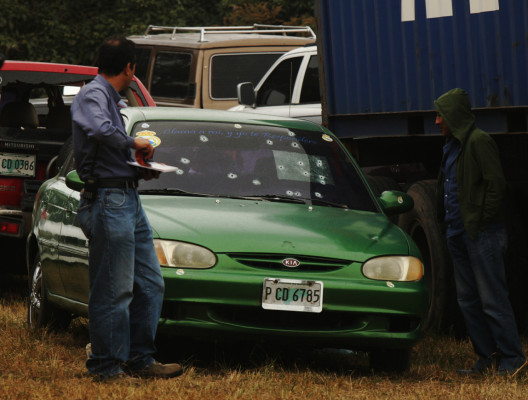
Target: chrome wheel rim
{"x":35,"y":297}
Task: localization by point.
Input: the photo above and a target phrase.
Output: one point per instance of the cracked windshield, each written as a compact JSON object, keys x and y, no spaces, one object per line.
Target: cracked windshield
{"x":232,"y":160}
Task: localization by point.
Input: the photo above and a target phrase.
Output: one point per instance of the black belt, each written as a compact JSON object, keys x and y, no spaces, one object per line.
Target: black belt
{"x":117,"y":183}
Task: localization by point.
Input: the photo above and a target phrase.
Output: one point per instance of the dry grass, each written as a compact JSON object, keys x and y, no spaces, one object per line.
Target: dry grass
{"x":51,"y":366}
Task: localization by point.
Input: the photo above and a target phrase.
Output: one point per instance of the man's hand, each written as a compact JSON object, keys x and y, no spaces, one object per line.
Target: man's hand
{"x":145,"y":151}
{"x":144,"y":147}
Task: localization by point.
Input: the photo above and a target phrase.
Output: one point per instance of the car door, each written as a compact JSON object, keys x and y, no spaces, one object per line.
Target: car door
{"x":291,"y":89}
{"x":73,"y":244}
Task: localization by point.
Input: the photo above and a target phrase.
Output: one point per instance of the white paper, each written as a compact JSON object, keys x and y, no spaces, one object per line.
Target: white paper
{"x":155,"y":166}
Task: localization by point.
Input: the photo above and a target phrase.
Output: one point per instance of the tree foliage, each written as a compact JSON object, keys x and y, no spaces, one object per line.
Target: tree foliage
{"x":70,"y":30}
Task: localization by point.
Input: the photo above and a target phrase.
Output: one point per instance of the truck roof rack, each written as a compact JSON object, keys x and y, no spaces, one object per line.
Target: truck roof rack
{"x":250,"y":29}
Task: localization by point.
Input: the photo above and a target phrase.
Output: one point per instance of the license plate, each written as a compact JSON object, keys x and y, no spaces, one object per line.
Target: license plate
{"x":292,"y":295}
{"x":17,"y":164}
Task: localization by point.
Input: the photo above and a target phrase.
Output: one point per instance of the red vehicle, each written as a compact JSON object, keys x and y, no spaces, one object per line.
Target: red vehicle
{"x":35,"y":122}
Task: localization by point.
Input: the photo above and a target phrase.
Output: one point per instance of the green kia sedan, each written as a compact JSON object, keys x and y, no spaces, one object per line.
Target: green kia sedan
{"x":266,"y":229}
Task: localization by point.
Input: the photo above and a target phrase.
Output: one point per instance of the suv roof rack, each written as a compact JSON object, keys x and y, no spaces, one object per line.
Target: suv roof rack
{"x":251,"y":29}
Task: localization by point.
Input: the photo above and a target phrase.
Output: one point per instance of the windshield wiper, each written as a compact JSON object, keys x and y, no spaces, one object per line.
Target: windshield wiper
{"x":180,"y":192}
{"x":172,"y":192}
{"x":327,"y":203}
{"x":277,"y":197}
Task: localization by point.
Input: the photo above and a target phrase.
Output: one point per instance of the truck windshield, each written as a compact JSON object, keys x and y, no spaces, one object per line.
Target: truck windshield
{"x":229,"y":159}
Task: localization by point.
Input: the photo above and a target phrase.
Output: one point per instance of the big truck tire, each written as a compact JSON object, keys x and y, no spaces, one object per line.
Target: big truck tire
{"x":422,"y":225}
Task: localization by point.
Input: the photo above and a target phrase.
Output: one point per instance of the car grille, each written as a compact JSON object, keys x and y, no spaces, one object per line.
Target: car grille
{"x":274,"y":261}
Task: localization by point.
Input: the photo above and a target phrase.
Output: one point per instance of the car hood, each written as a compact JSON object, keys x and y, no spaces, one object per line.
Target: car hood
{"x":243,"y":226}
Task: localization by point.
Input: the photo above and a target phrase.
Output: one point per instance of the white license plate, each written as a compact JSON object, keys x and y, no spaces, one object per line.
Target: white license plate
{"x":292,"y":295}
{"x":17,"y":164}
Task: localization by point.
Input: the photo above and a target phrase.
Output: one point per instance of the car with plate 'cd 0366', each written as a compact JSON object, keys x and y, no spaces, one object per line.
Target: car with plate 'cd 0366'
{"x":265,"y":229}
{"x":35,"y":123}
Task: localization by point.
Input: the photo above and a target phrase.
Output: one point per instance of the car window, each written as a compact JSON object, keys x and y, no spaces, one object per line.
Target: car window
{"x":278,"y":87}
{"x":235,"y":160}
{"x":310,"y":91}
{"x":142,"y":61}
{"x":171,"y":74}
{"x":228,"y":70}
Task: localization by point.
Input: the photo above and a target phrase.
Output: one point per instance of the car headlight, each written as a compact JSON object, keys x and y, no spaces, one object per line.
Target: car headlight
{"x":183,"y":255}
{"x":394,"y":268}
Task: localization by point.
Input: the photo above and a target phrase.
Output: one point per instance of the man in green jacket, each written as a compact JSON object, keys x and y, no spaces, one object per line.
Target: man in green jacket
{"x":471,"y":188}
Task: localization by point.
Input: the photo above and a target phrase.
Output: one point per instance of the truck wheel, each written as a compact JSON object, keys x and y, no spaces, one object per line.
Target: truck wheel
{"x":421,"y":224}
{"x":40,"y":312}
{"x":390,"y":360}
{"x":379,"y":184}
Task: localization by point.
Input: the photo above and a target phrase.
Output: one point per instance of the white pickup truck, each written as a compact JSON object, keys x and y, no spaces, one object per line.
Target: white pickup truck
{"x":290,"y":88}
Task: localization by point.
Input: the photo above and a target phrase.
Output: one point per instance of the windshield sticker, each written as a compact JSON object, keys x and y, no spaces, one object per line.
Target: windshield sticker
{"x":150,"y":136}
{"x":270,"y":137}
{"x":327,"y":138}
{"x":144,"y":125}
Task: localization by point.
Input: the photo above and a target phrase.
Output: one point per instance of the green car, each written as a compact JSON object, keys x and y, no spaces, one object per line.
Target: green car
{"x":265,"y":229}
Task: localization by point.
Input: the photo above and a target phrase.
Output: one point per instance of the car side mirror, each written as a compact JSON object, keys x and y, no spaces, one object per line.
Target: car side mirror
{"x":246,"y":94}
{"x":395,"y":202}
{"x":73,"y":181}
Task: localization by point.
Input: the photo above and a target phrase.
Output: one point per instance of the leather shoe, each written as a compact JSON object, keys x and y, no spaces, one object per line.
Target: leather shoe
{"x":159,"y":370}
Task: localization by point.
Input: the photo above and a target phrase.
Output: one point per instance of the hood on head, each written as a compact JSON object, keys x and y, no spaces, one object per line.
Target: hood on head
{"x":455,"y":108}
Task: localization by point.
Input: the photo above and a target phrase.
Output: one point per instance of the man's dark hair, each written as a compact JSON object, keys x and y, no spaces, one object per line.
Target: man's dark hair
{"x":114,"y":55}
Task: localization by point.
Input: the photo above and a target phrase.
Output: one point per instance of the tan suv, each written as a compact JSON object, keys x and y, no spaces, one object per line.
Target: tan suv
{"x":201,"y":66}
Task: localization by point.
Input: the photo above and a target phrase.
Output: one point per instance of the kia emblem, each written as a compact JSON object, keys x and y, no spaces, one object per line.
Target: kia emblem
{"x":291,"y":262}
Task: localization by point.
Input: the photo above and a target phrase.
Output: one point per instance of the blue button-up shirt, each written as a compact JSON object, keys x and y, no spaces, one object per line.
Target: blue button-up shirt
{"x":100,"y":143}
{"x":453,"y":217}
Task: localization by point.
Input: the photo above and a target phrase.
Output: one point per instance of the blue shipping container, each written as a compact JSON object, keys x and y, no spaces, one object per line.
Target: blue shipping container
{"x":384,"y":56}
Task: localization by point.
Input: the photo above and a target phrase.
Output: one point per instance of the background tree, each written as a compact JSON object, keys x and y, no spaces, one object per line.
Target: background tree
{"x":70,"y":31}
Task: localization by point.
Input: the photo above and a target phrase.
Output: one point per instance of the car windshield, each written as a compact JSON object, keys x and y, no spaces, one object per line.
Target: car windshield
{"x":253,"y":161}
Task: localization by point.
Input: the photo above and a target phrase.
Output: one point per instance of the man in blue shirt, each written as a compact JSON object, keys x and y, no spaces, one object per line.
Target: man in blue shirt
{"x":126,"y":285}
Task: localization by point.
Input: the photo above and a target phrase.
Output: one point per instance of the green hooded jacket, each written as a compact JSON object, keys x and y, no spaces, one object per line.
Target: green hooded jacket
{"x":480,"y":180}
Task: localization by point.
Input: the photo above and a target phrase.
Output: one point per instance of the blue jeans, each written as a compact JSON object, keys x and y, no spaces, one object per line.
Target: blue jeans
{"x":126,"y":284}
{"x":483,"y":297}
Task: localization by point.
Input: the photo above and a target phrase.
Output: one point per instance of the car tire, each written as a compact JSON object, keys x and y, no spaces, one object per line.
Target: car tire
{"x":41,"y":312}
{"x":390,"y":360}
